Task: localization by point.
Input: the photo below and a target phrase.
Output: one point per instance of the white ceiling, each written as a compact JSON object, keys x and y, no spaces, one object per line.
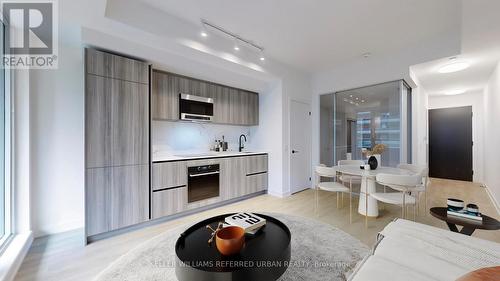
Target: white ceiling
{"x":480,"y":41}
{"x":316,"y":35}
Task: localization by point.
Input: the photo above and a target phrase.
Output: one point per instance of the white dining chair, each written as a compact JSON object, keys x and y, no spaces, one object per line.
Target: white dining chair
{"x":422,"y":188}
{"x":402,"y":183}
{"x":347,"y":178}
{"x":331,"y":186}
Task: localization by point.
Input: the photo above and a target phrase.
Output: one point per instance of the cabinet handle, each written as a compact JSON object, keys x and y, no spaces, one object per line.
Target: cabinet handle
{"x":203,"y":174}
{"x":295,"y":151}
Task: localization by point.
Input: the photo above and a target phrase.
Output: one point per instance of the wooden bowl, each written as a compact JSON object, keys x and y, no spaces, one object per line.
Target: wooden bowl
{"x":230,"y":240}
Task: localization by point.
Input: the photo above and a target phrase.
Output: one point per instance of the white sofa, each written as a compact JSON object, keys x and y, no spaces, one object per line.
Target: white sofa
{"x":407,"y":250}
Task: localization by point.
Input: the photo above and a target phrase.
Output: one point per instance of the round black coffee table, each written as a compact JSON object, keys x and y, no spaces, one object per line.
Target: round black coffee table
{"x":469,"y":225}
{"x":265,"y":256}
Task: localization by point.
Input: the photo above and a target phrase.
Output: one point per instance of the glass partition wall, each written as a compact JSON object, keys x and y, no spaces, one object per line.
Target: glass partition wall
{"x":354,"y":121}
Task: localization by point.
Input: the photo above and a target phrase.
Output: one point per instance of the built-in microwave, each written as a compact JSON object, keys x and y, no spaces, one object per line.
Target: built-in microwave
{"x":195,"y":108}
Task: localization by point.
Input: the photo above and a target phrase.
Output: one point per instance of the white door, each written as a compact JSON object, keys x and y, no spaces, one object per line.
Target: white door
{"x":300,"y":146}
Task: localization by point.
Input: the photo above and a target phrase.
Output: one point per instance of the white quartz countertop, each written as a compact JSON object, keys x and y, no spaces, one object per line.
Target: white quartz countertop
{"x":161,"y":156}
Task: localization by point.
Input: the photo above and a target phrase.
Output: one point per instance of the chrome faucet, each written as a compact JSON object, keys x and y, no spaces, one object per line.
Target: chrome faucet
{"x":241,"y":145}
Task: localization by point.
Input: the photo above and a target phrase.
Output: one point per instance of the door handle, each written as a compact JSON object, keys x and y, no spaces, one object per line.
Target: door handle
{"x":295,"y":151}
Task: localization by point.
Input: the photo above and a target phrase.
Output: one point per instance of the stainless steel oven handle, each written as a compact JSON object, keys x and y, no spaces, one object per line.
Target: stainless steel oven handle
{"x":203,"y":174}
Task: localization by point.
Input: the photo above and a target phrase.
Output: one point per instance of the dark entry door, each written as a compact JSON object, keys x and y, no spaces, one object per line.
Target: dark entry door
{"x":450,"y":143}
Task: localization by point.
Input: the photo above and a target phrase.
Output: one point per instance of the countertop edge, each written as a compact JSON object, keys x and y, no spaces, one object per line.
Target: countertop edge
{"x":208,"y":157}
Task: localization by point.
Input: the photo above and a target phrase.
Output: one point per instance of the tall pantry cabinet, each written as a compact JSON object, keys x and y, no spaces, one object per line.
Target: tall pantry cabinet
{"x":117,"y":145}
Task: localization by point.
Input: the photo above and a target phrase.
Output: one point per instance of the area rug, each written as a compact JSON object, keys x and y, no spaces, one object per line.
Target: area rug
{"x":319,"y":252}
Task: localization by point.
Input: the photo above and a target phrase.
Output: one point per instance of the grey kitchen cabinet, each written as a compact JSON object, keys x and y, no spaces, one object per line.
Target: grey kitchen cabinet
{"x":233,"y":178}
{"x":130,"y":123}
{"x":231,"y":106}
{"x":253,"y":109}
{"x":129,"y":196}
{"x":239,"y":176}
{"x":104,"y":64}
{"x":256,"y":164}
{"x":116,"y":123}
{"x":256,"y":173}
{"x":116,"y":142}
{"x":98,"y":144}
{"x":221,"y":105}
{"x":235,"y":107}
{"x":165,"y":96}
{"x":169,"y":201}
{"x":256,"y":182}
{"x":97,"y":196}
{"x":169,"y":174}
{"x":116,"y":197}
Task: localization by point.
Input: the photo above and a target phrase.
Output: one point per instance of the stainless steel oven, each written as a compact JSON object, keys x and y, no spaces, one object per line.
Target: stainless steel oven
{"x":203,"y":182}
{"x":195,"y":108}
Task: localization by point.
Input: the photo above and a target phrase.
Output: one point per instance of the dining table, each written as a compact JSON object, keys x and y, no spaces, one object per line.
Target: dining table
{"x":369,"y":184}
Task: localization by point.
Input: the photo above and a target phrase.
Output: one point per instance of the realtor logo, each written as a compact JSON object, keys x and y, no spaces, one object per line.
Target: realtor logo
{"x":30,"y":34}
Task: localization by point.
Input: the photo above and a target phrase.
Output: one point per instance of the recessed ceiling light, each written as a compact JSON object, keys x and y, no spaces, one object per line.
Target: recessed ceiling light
{"x":236,"y":48}
{"x":262,"y":58}
{"x":453,"y":67}
{"x":454,"y":92}
{"x":204,"y":33}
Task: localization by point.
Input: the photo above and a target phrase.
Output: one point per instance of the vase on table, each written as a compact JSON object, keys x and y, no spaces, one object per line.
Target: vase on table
{"x":379,"y":158}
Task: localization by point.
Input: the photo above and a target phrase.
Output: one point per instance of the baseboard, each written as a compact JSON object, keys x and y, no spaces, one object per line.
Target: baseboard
{"x":14,"y":254}
{"x":278,"y":194}
{"x":493,"y":200}
{"x":58,"y":228}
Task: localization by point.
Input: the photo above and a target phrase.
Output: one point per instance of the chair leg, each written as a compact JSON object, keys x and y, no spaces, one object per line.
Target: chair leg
{"x":342,"y":200}
{"x":425,"y":201}
{"x":350,"y":202}
{"x":316,"y":206}
{"x":403,"y":207}
{"x":337,"y":195}
{"x":415,"y":212}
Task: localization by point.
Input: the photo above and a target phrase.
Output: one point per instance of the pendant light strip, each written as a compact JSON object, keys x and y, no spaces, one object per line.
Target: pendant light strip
{"x":233,"y":35}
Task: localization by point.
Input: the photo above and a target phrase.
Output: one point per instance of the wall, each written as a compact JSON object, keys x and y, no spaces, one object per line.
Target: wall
{"x":381,"y":68}
{"x":57,"y":137}
{"x":474,"y":99}
{"x":492,"y":135}
{"x":420,"y":124}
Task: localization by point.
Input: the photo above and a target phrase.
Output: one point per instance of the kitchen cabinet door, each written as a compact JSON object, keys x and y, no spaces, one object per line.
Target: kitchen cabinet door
{"x":98,"y":103}
{"x":97,"y":198}
{"x":129,"y":196}
{"x":235,"y":107}
{"x":253,"y":109}
{"x":169,"y":202}
{"x":115,"y":66}
{"x":256,"y":182}
{"x":234,"y":178}
{"x":165,"y":96}
{"x":129,"y":123}
{"x":256,"y":164}
{"x":169,"y":174}
{"x":221,"y":105}
{"x":244,"y":107}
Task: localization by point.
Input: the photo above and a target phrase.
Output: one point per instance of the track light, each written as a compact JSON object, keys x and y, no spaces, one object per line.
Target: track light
{"x":203,"y":32}
{"x":239,"y":41}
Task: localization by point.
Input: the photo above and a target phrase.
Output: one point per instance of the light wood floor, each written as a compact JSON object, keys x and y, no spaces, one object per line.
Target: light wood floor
{"x":62,"y":256}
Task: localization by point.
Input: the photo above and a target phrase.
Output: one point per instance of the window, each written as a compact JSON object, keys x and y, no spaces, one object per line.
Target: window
{"x":5,"y":164}
{"x":356,"y":120}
